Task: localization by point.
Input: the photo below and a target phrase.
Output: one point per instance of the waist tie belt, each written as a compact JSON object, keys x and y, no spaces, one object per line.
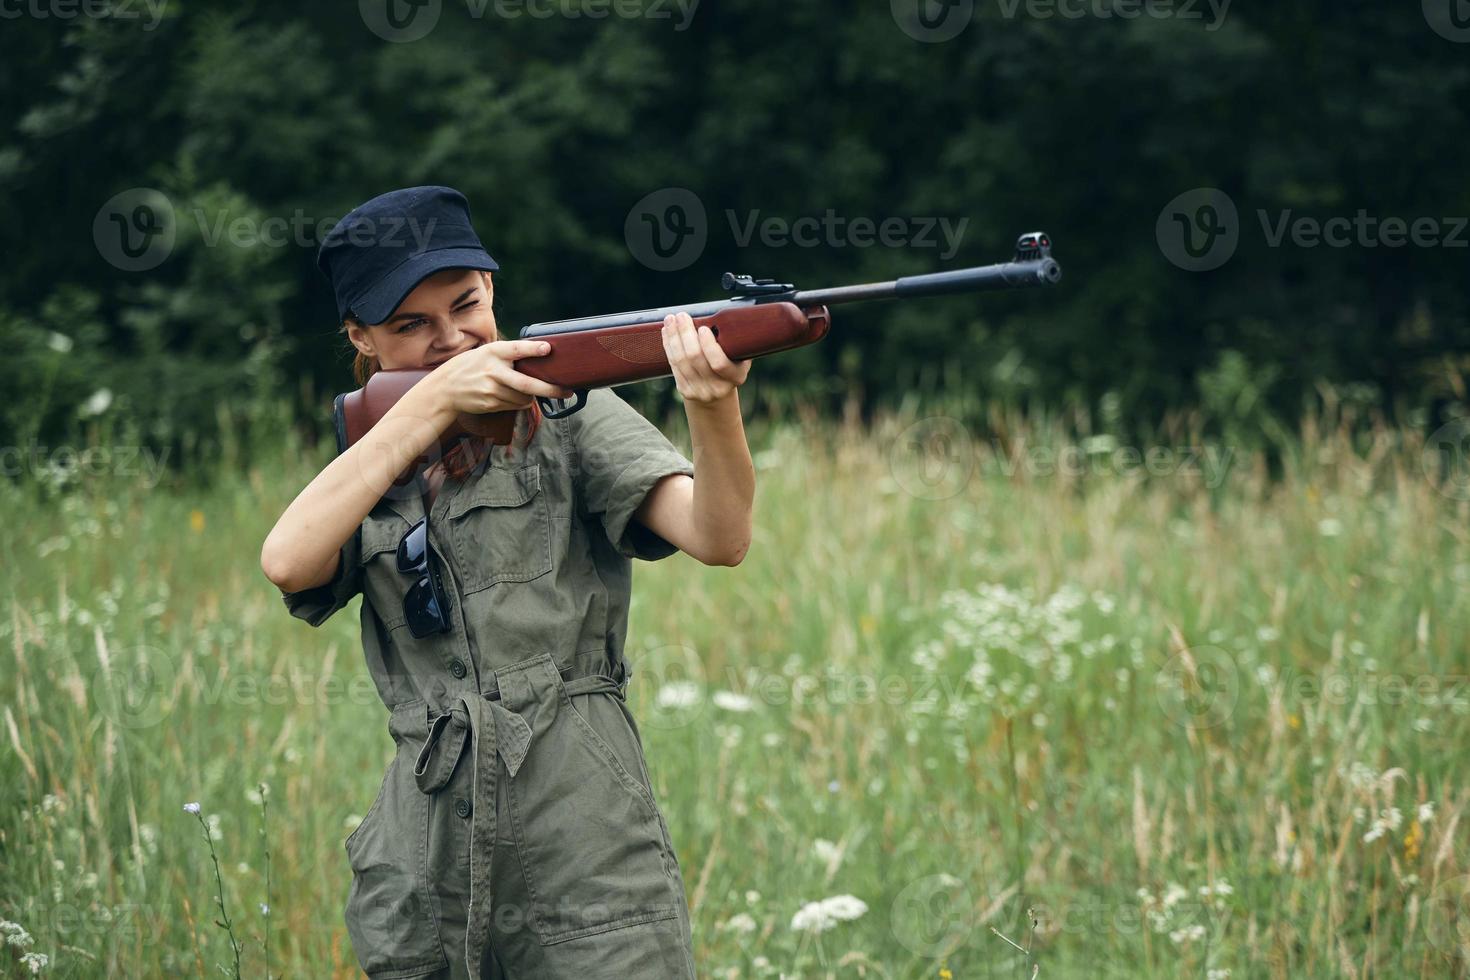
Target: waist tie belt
{"x":493,"y":729}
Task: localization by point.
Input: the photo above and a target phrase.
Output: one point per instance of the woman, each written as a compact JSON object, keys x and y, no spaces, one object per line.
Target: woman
{"x":515,"y":833}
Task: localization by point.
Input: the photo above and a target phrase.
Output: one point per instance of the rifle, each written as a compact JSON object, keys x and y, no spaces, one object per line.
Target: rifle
{"x":760,"y":317}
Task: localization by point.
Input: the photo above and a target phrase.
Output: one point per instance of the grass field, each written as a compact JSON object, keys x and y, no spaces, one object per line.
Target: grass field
{"x":1163,"y":718}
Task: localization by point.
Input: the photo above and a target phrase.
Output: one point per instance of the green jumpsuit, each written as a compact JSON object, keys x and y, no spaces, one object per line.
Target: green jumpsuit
{"x":516,"y":833}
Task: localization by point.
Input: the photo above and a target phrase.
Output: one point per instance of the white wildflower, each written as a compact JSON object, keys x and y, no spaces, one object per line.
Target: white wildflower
{"x":1426,"y":812}
{"x":191,"y":807}
{"x":823,"y":915}
{"x":1362,"y":776}
{"x":15,"y":934}
{"x":96,"y":403}
{"x":846,"y":907}
{"x":741,"y":922}
{"x":826,"y":851}
{"x":731,"y":701}
{"x":678,"y":694}
{"x":1187,"y":934}
{"x":812,"y":916}
{"x":35,"y":962}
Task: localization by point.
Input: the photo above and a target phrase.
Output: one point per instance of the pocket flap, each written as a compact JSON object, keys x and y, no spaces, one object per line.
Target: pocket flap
{"x":497,"y":487}
{"x":380,"y":534}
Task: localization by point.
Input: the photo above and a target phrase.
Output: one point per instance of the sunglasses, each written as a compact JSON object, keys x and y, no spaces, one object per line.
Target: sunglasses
{"x":425,"y":606}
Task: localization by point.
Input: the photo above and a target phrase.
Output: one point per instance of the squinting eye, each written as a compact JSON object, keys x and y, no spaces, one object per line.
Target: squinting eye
{"x":468,"y":306}
{"x":412,"y":325}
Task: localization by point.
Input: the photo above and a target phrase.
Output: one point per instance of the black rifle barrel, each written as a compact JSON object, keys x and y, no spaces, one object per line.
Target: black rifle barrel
{"x":1003,"y":275}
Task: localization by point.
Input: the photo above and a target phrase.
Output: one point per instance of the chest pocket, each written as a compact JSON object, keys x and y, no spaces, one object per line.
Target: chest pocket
{"x":382,"y":583}
{"x":501,"y":528}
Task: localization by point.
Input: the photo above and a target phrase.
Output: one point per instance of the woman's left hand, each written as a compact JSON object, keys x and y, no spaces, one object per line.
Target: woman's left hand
{"x":701,"y":369}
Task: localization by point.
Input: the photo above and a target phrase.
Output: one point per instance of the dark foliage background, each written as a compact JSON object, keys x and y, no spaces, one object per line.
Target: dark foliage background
{"x":555,"y":127}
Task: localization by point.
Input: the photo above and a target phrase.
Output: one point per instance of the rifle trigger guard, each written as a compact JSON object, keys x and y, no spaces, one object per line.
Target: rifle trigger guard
{"x":546,"y":404}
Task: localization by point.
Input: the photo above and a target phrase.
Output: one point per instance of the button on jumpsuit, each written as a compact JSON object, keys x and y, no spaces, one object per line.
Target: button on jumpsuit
{"x":516,"y":833}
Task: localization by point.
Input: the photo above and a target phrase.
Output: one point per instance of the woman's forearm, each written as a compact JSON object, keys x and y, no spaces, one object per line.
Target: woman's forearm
{"x":724,"y":476}
{"x":301,"y":551}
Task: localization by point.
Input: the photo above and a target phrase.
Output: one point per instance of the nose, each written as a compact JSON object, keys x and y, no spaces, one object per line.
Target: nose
{"x":450,"y":336}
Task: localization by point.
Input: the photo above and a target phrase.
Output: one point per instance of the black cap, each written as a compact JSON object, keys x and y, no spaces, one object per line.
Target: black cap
{"x":381,"y":250}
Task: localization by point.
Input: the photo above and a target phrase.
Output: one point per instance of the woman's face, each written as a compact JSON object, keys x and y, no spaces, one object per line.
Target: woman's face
{"x":446,"y":314}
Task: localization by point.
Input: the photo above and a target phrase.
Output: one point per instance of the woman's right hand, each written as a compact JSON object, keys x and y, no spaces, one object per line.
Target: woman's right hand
{"x":485,"y":379}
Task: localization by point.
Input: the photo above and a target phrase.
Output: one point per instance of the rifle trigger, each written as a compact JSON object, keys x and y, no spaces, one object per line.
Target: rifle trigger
{"x":546,"y":404}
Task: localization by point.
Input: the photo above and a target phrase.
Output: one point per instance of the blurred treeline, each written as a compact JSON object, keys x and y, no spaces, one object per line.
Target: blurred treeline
{"x":554,"y":127}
